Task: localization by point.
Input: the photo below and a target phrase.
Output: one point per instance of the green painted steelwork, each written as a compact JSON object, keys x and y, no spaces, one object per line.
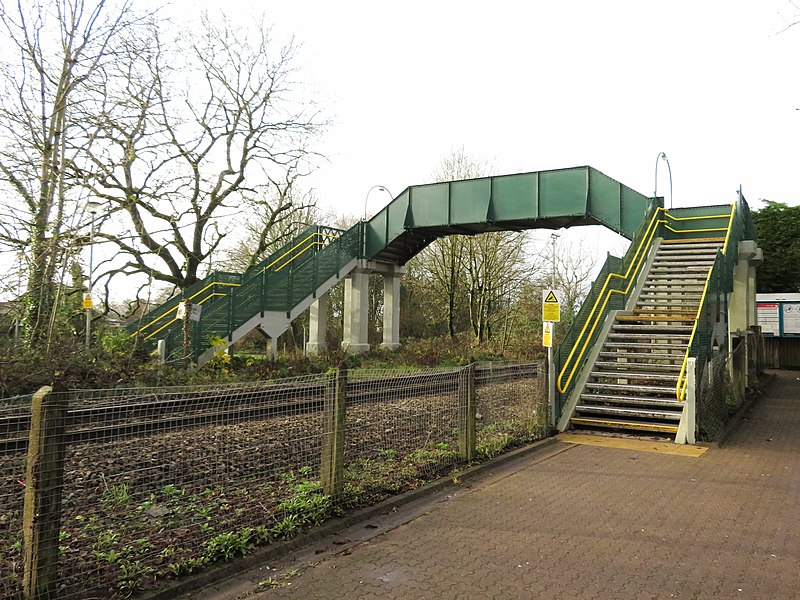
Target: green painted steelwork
{"x":418,"y":216}
{"x":543,"y":199}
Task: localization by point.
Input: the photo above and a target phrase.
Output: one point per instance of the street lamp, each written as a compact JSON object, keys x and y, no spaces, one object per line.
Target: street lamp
{"x":663,"y":157}
{"x":375,"y":187}
{"x":87,"y":301}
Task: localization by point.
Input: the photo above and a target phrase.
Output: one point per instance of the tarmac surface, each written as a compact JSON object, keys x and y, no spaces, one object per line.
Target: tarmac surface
{"x":577,"y":521}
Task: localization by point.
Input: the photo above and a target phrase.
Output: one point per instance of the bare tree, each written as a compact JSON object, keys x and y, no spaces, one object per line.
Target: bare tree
{"x":56,"y":50}
{"x":272,"y":224}
{"x":193,"y":131}
{"x":474,"y":278}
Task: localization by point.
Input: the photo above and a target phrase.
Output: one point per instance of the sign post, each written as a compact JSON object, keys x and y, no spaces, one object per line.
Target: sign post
{"x":551,"y":314}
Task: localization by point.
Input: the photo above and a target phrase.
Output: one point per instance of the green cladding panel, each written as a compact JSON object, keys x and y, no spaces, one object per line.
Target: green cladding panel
{"x":604,"y":200}
{"x":397,"y":213}
{"x":469,"y":200}
{"x":563,"y":192}
{"x":429,"y":205}
{"x":515,"y":197}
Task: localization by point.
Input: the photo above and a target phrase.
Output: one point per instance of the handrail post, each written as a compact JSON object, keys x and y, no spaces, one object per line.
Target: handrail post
{"x":691,"y":401}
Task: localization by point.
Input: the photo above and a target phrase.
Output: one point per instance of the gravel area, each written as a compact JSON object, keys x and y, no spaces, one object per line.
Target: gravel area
{"x":139,"y":510}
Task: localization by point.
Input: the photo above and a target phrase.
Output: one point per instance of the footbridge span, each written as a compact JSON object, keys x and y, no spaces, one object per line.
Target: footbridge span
{"x":682,"y":303}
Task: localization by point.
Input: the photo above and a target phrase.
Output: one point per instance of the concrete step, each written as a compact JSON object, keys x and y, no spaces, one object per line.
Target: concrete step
{"x":708,"y":242}
{"x":644,"y":356}
{"x":634,"y":346}
{"x":665,"y":391}
{"x":637,"y":365}
{"x":659,"y":328}
{"x":652,"y":337}
{"x":628,"y":412}
{"x":663,"y":318}
{"x":672,"y":403}
{"x":635,"y":376}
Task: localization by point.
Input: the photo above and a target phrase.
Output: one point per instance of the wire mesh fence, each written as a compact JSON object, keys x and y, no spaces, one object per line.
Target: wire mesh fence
{"x":723,"y":384}
{"x":157,"y":483}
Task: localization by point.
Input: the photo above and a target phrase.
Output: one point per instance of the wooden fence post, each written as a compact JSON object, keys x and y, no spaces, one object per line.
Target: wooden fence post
{"x":466,"y":412}
{"x":332,"y":464}
{"x":44,"y":477}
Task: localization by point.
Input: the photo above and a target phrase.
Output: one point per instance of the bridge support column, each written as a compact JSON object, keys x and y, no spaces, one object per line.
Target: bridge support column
{"x":742,"y":299}
{"x":318,"y":325}
{"x":391,"y":308}
{"x":356,"y":305}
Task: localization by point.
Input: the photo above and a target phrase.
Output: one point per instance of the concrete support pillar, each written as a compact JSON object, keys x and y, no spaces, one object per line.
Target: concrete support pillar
{"x":742,"y":300}
{"x":356,"y":305}
{"x":318,"y":325}
{"x":391,"y":311}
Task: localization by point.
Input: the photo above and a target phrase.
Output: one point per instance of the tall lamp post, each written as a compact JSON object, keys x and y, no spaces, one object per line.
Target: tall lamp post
{"x":87,"y":301}
{"x":663,"y":157}
{"x":20,"y":307}
{"x":551,"y":383}
{"x":375,"y":187}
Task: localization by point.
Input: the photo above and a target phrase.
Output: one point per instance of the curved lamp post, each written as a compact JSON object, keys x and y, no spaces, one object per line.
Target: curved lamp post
{"x":375,"y":187}
{"x":663,"y":157}
{"x":87,"y":301}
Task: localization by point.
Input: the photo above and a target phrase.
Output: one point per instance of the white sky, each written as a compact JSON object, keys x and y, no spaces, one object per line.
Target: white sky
{"x":548,"y":84}
{"x":545,"y":84}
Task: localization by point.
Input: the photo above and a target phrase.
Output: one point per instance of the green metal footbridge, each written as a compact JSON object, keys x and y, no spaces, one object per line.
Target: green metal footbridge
{"x":273,"y":293}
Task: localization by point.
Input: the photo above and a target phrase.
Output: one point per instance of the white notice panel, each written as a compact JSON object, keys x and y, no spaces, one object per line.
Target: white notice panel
{"x":768,"y":318}
{"x":791,"y":318}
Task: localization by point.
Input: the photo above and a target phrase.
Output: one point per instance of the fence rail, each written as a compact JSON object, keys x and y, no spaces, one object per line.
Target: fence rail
{"x":137,"y":511}
{"x":148,"y":413}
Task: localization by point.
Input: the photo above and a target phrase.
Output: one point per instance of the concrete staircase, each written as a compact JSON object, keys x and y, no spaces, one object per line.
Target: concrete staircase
{"x":632,"y":381}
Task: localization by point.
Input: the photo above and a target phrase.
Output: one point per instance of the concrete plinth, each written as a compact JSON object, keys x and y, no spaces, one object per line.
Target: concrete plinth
{"x":356,"y":304}
{"x":318,"y":325}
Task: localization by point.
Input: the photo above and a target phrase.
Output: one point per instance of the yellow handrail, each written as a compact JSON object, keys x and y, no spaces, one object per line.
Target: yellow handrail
{"x":175,"y":308}
{"x":296,"y":246}
{"x":730,"y":226}
{"x":646,"y":239}
{"x":562,"y":387}
{"x":680,"y":386}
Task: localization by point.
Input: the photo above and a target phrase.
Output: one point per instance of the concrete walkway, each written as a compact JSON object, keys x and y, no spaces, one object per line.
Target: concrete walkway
{"x":581,"y":521}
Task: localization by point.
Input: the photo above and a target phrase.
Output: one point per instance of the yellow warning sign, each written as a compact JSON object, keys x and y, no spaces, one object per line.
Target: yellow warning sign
{"x":87,"y":302}
{"x":547,"y":334}
{"x":551,"y":307}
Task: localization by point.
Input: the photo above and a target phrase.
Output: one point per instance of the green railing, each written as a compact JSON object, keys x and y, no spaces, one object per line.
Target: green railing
{"x":157,"y":323}
{"x":616,"y":282}
{"x":610,"y":291}
{"x":713,"y":304}
{"x":230,"y":299}
{"x":278,"y":286}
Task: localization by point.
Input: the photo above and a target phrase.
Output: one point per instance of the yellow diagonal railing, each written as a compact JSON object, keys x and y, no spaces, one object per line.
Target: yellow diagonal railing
{"x":593,"y":318}
{"x":681,"y":385}
{"x":175,"y":308}
{"x":310,"y":246}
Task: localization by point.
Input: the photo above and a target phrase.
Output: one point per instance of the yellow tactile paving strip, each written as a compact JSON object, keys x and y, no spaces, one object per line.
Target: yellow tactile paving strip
{"x":631,"y":444}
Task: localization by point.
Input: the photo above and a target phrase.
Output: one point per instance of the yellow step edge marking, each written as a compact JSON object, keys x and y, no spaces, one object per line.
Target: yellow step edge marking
{"x":629,"y":444}
{"x":695,"y":240}
{"x":625,"y":425}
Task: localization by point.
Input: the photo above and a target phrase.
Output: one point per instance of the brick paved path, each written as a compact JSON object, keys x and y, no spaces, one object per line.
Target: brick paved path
{"x":592,"y":522}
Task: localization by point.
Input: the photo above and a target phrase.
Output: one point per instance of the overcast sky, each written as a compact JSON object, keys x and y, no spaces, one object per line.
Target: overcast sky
{"x":548,"y":84}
